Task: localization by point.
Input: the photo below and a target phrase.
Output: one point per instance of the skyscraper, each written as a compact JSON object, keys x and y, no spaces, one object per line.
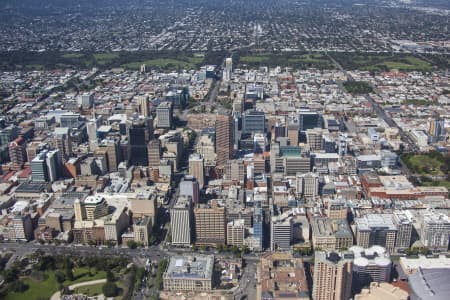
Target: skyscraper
{"x":164,"y":115}
{"x":253,"y":121}
{"x":154,"y":153}
{"x":139,"y":135}
{"x":181,"y":221}
{"x":196,"y":168}
{"x":224,"y":139}
{"x":210,"y":225}
{"x":228,"y":69}
{"x":258,"y":223}
{"x":332,"y":276}
{"x":189,"y":187}
{"x":63,"y":142}
{"x":18,"y":153}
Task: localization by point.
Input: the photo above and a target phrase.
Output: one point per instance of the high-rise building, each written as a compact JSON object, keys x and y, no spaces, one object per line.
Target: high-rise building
{"x":139,"y":135}
{"x":259,"y":143}
{"x":112,"y":148}
{"x":370,"y":265}
{"x":308,"y":185}
{"x":314,"y":138}
{"x":91,"y":128}
{"x":376,"y":229}
{"x":189,"y":187}
{"x":46,"y":166}
{"x":86,"y":100}
{"x":228,"y":69}
{"x":181,"y":221}
{"x":258,"y":223}
{"x":164,"y":115}
{"x":296,"y":164}
{"x":403,"y":220}
{"x":143,"y":105}
{"x":224,"y":139}
{"x":253,"y":121}
{"x":329,"y":235}
{"x":435,"y":230}
{"x":281,"y":233}
{"x":18,"y":153}
{"x":196,"y":168}
{"x":63,"y":142}
{"x":210,"y":225}
{"x":234,"y":170}
{"x":154,"y":153}
{"x":332,"y":276}
{"x":91,"y":208}
{"x":337,"y":209}
{"x":236,"y":232}
{"x":309,"y":120}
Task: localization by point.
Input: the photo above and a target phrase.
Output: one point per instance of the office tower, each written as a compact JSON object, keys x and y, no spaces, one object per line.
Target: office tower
{"x":154,"y":153}
{"x":258,"y":223}
{"x":281,"y":233}
{"x":63,"y":142}
{"x":91,"y":128}
{"x":164,"y":115}
{"x":205,"y":147}
{"x":370,"y":265}
{"x":234,"y":170}
{"x":253,"y":121}
{"x":86,"y":100}
{"x":196,"y":168}
{"x":296,"y":164}
{"x":181,"y":221}
{"x":314,"y":138}
{"x":309,"y":119}
{"x":332,"y":276}
{"x":376,"y":229}
{"x":112,"y":148}
{"x":337,"y":209}
{"x":54,"y":164}
{"x":236,"y":232}
{"x":403,"y":221}
{"x":189,"y":187}
{"x":138,"y":136}
{"x":342,"y":145}
{"x":210,"y":225}
{"x":228,"y":69}
{"x":22,"y":227}
{"x":224,"y":139}
{"x":328,"y":234}
{"x":71,"y":120}
{"x":259,"y":143}
{"x":46,"y":166}
{"x":143,"y":105}
{"x":307,"y":185}
{"x":435,"y":230}
{"x":7,"y":135}
{"x":18,"y":153}
{"x":91,"y":208}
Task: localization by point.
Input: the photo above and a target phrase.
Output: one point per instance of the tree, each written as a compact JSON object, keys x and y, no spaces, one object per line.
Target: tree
{"x":110,"y":289}
{"x":11,"y":275}
{"x":109,"y":276}
{"x":60,"y":277}
{"x":132,"y":244}
{"x":19,"y":286}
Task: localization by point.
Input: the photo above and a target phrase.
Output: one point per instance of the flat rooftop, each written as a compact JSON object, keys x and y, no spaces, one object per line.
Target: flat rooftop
{"x":370,"y":221}
{"x":190,"y":267}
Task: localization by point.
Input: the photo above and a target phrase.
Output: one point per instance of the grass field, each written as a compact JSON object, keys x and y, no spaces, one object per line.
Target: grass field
{"x":296,"y":60}
{"x":44,"y":289}
{"x":72,"y":55}
{"x":90,"y":290}
{"x":166,"y":63}
{"x":382,"y":62}
{"x":443,"y":183}
{"x":424,"y":164}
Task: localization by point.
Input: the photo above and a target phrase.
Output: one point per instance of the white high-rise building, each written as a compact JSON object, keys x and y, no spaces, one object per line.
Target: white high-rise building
{"x":181,"y":221}
{"x":91,"y":128}
{"x":86,"y":100}
{"x":228,"y":69}
{"x":308,"y":185}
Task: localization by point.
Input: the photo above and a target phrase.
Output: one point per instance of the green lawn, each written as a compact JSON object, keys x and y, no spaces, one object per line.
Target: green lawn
{"x":254,"y":59}
{"x":165,"y":63}
{"x":72,"y":55}
{"x":443,"y":183}
{"x":46,"y":288}
{"x":90,"y":290}
{"x":424,"y":164}
{"x":106,"y":56}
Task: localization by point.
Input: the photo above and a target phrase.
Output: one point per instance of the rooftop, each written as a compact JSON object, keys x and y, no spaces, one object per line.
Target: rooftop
{"x":190,"y":267}
{"x":371,"y":221}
